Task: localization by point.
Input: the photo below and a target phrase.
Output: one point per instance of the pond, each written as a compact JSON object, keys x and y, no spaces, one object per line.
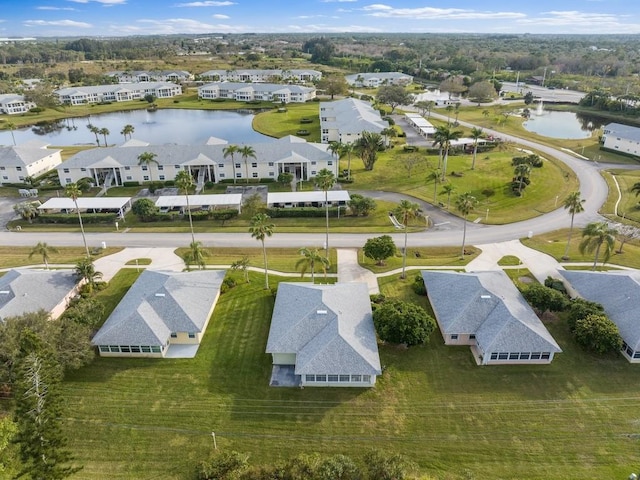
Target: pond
{"x":179,"y":126}
{"x":567,"y":125}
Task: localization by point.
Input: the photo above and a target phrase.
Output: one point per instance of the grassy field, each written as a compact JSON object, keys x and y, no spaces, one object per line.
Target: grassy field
{"x":576,"y":418}
{"x":629,"y":208}
{"x":279,"y":124}
{"x":19,"y":256}
{"x":422,"y":257}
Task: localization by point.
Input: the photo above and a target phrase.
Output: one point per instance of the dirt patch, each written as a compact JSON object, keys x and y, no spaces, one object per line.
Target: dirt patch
{"x":525,"y":280}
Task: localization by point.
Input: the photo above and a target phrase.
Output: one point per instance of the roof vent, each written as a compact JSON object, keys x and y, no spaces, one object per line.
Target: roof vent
{"x":5,"y":292}
{"x":485,"y":296}
{"x":159,"y":294}
{"x":321,"y":312}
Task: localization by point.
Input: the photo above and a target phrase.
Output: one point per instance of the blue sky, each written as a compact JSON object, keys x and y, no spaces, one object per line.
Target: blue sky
{"x":34,"y":18}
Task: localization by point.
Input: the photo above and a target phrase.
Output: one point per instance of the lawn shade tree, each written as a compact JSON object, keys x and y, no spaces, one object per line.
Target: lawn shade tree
{"x":230,"y":151}
{"x":360,"y":205}
{"x":598,"y":334}
{"x":476,"y":134}
{"x":521,"y":172}
{"x":402,"y":322}
{"x":243,"y":265}
{"x":465,"y":204}
{"x":184,"y":182}
{"x":626,"y":233}
{"x":405,"y":212}
{"x":85,"y":270}
{"x":144,"y":208}
{"x":448,"y":189}
{"x":145,"y":159}
{"x":27,"y":210}
{"x":348,"y":149}
{"x":394,"y":96}
{"x":260,"y":228}
{"x":72,"y":190}
{"x":311,"y":258}
{"x":596,"y":235}
{"x":443,"y":137}
{"x":104,"y":132}
{"x":196,"y":255}
{"x":368,"y":146}
{"x":43,"y":250}
{"x":379,"y":249}
{"x":325,"y":180}
{"x":96,"y":131}
{"x":573,"y":204}
{"x":127,"y":130}
{"x":247,"y":152}
{"x":424,"y":106}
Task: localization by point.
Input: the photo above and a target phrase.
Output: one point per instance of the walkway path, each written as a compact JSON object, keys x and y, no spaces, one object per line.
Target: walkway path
{"x":161,"y":259}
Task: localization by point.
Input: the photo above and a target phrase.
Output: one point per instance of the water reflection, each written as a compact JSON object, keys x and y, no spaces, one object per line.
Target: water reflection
{"x":567,"y":125}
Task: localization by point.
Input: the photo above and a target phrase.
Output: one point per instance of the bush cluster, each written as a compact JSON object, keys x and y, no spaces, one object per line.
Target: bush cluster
{"x":72,"y":218}
{"x":301,"y":212}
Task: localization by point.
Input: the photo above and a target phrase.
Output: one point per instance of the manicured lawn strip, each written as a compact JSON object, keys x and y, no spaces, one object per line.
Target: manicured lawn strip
{"x":116,"y":289}
{"x":427,"y":257}
{"x":19,"y":256}
{"x":554,"y":243}
{"x":154,"y":418}
{"x":279,"y":124}
{"x":139,"y":261}
{"x":629,"y":207}
{"x":509,"y":260}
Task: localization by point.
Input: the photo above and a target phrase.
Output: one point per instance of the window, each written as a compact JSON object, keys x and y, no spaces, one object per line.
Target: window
{"x":146,"y":349}
{"x":546,"y":356}
{"x":272,"y":174}
{"x":314,"y":163}
{"x":454,"y":337}
{"x":254,"y":164}
{"x":127,"y":168}
{"x":221,"y":175}
{"x":345,"y":378}
{"x":66,"y":180}
{"x":155,"y":349}
{"x":174,"y":335}
{"x":330,"y":162}
{"x":333,"y":378}
{"x":161,"y":177}
{"x":221,"y":165}
{"x":2,"y":168}
{"x":177,"y":167}
{"x":19,"y":169}
{"x":83,"y":169}
{"x":494,"y":356}
{"x":513,"y":356}
{"x":192,"y":335}
{"x":254,"y":174}
{"x":65,"y":170}
{"x":503,"y":356}
{"x":356,"y":378}
{"x":145,"y":168}
{"x":271,"y":164}
{"x":366,"y":378}
{"x":104,"y":348}
{"x":114,"y":349}
{"x":237,"y":165}
{"x":146,"y":177}
{"x":160,"y":167}
{"x":636,"y":355}
{"x":321,"y":378}
{"x":238,"y":175}
{"x":535,"y":356}
{"x":128,"y":177}
{"x":310,"y":378}
{"x":525,"y":356}
{"x":125,"y":349}
{"x":313,"y":172}
{"x":472,"y":336}
{"x":135,"y":349}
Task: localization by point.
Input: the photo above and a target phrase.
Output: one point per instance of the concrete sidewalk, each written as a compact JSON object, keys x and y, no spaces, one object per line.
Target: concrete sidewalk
{"x":350,"y":271}
{"x":161,"y":259}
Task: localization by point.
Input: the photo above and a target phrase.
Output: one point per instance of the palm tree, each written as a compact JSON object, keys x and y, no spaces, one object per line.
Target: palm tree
{"x":573,"y":203}
{"x":405,"y":212}
{"x":310,"y":259}
{"x":184,"y":182}
{"x":486,"y":113}
{"x":43,"y":250}
{"x":104,"y":132}
{"x":434,"y":176}
{"x":522,"y":172}
{"x":95,"y":130}
{"x":73,"y":192}
{"x":86,"y":270}
{"x":594,"y":236}
{"x":348,"y":149}
{"x":443,"y":137}
{"x":247,"y":152}
{"x":476,"y":134}
{"x":230,"y":151}
{"x":449,"y":109}
{"x":242,"y":264}
{"x":325,"y":180}
{"x":12,"y":126}
{"x":448,"y":188}
{"x":260,"y":228}
{"x":387,"y":133}
{"x":127,"y":130}
{"x":146,"y":159}
{"x":196,"y":256}
{"x":465,"y":204}
{"x":636,"y":188}
{"x":368,"y":146}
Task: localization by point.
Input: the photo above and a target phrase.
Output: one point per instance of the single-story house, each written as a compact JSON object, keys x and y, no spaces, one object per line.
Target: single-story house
{"x":307,"y":199}
{"x":377,"y":79}
{"x":323,"y":336}
{"x":265,"y":92}
{"x":29,"y":159}
{"x":12,"y":103}
{"x":619,"y":293}
{"x":26,"y":291}
{"x":621,"y":138}
{"x":112,"y":166}
{"x":262,"y":76}
{"x":164,"y":314}
{"x":116,"y":92}
{"x":345,"y":120}
{"x":487,"y":312}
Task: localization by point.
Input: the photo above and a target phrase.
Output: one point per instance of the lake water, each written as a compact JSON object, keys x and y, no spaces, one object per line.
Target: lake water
{"x":560,"y":125}
{"x":182,"y":127}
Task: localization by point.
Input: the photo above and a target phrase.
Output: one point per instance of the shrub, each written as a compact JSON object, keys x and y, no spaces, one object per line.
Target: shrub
{"x":403,"y":322}
{"x":130,"y":184}
{"x":598,"y":334}
{"x":227,"y":284}
{"x":300,"y":212}
{"x":544,"y":298}
{"x":72,"y":218}
{"x":418,"y":285}
{"x":580,"y":308}
{"x":200,"y":215}
{"x":169,"y":183}
{"x":225,"y":214}
{"x":556,"y":284}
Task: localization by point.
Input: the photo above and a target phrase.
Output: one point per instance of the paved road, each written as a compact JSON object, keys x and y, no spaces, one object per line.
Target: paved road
{"x":546,"y":94}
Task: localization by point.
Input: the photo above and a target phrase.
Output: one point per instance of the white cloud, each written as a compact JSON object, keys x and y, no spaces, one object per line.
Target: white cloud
{"x":57,"y":23}
{"x":106,"y":3}
{"x":171,"y":26}
{"x":206,"y":3}
{"x":431,"y":13}
{"x":56,"y":8}
{"x":332,"y":29}
{"x":219,"y":16}
{"x":575,"y":21}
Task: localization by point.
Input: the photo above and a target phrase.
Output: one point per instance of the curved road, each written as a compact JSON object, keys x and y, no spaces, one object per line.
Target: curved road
{"x":447,"y":229}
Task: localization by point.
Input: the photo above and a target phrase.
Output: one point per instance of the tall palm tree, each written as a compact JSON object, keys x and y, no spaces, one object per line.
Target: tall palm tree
{"x":260,"y":228}
{"x":43,"y":250}
{"x":336,"y":149}
{"x":104,"y":132}
{"x":146,"y":159}
{"x":247,"y":152}
{"x":127,"y":130}
{"x":368,"y":146}
{"x":11,"y":126}
{"x":573,"y":203}
{"x":405,"y":212}
{"x":184,"y":182}
{"x":476,"y":134}
{"x":311,"y":258}
{"x":449,"y":109}
{"x":443,"y":137}
{"x":325,"y":180}
{"x":96,"y":131}
{"x":448,"y":188}
{"x":230,"y":151}
{"x":594,"y":236}
{"x":465,"y":204}
{"x":196,"y":256}
{"x":86,"y":270}
{"x":73,"y":192}
{"x":522,"y":172}
{"x":434,"y":176}
{"x":347,"y":149}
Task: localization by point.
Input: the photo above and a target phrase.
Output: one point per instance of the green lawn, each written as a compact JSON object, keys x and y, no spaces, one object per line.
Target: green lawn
{"x":576,"y":418}
{"x":423,"y":257}
{"x":279,"y":124}
{"x":19,"y":256}
{"x":629,"y":207}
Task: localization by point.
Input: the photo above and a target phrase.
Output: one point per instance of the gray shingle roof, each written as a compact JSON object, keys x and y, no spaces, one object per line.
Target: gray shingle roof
{"x":268,"y":151}
{"x":488,"y":305}
{"x":23,"y":155}
{"x":624,"y":131}
{"x":23,"y":290}
{"x":352,"y":116}
{"x":329,"y":327}
{"x":618,"y":292}
{"x":159,"y":303}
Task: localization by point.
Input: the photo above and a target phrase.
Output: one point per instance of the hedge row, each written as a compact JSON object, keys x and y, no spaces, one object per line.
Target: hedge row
{"x":300,"y":212}
{"x":72,"y":218}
